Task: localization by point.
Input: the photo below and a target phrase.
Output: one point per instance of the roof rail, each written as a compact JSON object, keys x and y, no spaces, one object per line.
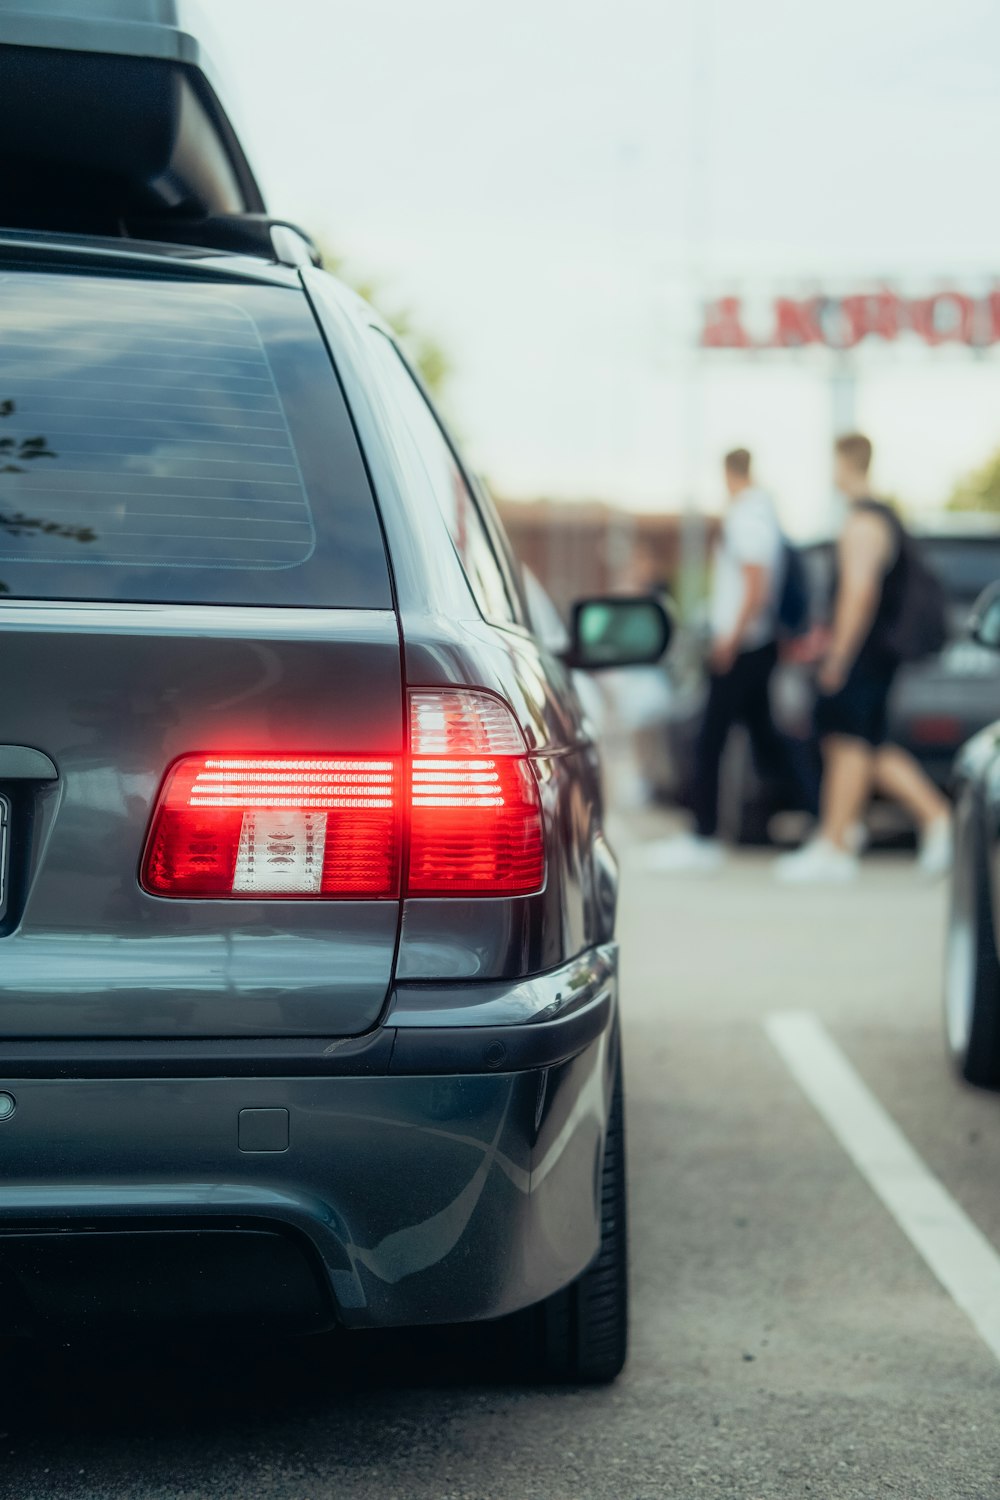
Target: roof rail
{"x":234,"y":234}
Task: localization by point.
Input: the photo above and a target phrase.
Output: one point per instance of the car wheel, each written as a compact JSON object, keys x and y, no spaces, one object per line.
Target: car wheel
{"x":972,"y":970}
{"x":580,"y":1335}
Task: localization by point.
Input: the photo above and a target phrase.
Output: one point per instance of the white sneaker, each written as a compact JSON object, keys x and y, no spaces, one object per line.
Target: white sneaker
{"x":858,"y":838}
{"x":684,"y":855}
{"x":937,"y":848}
{"x":819,"y":863}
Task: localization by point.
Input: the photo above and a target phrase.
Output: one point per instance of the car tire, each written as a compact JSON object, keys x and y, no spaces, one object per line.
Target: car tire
{"x":579,"y":1336}
{"x":972,"y":968}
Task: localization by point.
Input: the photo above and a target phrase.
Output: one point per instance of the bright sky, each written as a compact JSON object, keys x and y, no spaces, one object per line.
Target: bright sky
{"x":535,"y":179}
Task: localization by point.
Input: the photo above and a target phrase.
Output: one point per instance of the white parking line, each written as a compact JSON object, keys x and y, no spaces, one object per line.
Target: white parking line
{"x":958,"y":1253}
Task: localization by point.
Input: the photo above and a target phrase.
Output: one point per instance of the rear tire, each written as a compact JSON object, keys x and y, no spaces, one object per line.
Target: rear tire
{"x":579,"y":1336}
{"x":972,"y":969}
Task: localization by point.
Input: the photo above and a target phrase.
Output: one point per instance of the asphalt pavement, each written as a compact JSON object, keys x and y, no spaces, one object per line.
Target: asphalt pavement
{"x":789,"y":1338}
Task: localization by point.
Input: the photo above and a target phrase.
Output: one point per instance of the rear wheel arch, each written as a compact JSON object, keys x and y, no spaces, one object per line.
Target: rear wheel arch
{"x":579,"y":1335}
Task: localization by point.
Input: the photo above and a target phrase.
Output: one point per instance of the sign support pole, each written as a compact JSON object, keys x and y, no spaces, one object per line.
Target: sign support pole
{"x":843,"y":395}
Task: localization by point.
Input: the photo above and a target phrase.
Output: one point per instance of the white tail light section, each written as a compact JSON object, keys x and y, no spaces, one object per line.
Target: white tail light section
{"x":268,"y":826}
{"x":459,"y":721}
{"x":280,"y":851}
{"x":475,"y":810}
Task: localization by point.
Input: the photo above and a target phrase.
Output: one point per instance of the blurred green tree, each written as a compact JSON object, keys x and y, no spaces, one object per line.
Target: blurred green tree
{"x":15,"y":453}
{"x":423,"y":350}
{"x":979,"y":490}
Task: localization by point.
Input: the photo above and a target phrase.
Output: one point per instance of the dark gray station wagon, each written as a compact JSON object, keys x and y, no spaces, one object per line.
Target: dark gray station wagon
{"x":308,"y":997}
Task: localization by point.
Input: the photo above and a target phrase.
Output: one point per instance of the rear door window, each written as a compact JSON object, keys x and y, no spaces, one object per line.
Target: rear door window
{"x":170,"y":442}
{"x":437,"y":473}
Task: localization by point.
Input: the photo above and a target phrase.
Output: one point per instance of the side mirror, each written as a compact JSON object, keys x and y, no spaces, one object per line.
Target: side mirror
{"x":984,"y":622}
{"x":627,"y":631}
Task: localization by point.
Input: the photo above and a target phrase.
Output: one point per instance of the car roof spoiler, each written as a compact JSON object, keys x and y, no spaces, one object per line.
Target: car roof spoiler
{"x":114,"y":122}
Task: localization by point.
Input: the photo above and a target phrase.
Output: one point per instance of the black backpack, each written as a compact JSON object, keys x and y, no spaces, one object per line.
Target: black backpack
{"x":920,"y":628}
{"x":794,"y":601}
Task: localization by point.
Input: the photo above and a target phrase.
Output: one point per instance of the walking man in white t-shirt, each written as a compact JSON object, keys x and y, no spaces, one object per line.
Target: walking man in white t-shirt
{"x":746,"y":583}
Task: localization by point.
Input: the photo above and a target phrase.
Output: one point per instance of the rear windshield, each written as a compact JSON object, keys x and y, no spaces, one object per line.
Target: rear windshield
{"x":170,"y":442}
{"x":965,"y":565}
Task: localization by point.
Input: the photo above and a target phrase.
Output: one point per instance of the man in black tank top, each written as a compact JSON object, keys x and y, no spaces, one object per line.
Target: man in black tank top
{"x":855,"y":679}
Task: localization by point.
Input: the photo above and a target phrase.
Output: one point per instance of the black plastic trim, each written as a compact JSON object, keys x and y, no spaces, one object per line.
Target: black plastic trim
{"x":211,"y":1057}
{"x":500,"y":1049}
{"x":33,"y":247}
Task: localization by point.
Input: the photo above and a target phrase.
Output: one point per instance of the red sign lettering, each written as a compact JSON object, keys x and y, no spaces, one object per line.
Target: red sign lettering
{"x":795,"y":323}
{"x":724,"y":326}
{"x":947,"y":317}
{"x":843,"y":322}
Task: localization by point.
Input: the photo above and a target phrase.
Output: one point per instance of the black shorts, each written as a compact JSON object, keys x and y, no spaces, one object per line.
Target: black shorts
{"x":860,"y":710}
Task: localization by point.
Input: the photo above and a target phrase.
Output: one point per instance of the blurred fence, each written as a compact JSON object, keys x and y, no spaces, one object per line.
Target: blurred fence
{"x":588,"y":547}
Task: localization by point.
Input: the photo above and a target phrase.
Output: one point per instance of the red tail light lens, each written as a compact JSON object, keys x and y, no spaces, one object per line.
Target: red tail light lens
{"x":260,"y":827}
{"x":475,"y":810}
{"x":266,"y":827}
{"x":937,"y":729}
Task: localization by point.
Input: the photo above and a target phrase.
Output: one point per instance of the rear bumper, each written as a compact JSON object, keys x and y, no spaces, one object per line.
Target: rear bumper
{"x":429,"y":1173}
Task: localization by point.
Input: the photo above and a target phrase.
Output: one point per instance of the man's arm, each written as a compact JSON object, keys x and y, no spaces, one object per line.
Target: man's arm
{"x":756,"y":594}
{"x":865,"y":553}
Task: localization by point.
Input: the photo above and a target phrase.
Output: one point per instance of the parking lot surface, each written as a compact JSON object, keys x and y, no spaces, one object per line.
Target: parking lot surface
{"x":789,"y":1339}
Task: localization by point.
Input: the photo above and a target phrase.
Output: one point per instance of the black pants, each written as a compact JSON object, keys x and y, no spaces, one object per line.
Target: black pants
{"x":739,"y":696}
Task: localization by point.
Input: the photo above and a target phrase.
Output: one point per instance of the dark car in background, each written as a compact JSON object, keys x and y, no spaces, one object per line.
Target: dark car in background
{"x":972,"y":964}
{"x":936,"y":704}
{"x":308,"y":971}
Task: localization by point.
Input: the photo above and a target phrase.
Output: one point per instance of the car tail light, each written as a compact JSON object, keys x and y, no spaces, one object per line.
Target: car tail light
{"x":475,"y":810}
{"x":268,"y":826}
{"x":465,"y":806}
{"x":936,"y":729}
